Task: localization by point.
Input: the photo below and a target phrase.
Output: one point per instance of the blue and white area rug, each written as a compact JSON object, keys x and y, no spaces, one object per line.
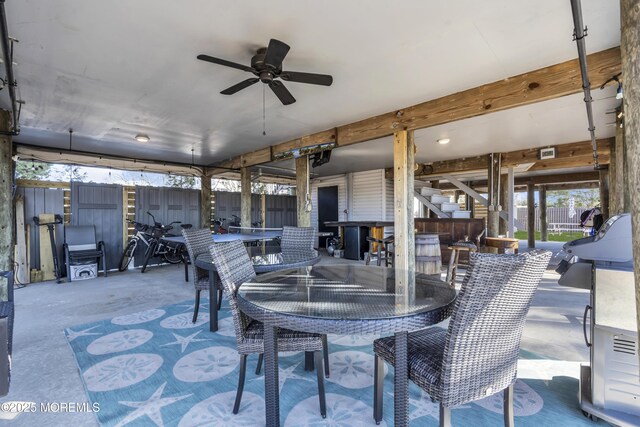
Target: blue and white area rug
{"x":157,"y":368}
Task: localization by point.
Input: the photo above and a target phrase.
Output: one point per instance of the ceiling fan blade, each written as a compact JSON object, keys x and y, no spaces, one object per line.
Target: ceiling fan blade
{"x":276,"y":52}
{"x":225,"y":63}
{"x":282,"y":93}
{"x":311,"y":78}
{"x":237,"y":88}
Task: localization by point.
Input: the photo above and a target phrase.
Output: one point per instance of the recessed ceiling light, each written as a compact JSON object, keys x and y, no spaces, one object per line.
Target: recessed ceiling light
{"x":444,"y":141}
{"x":141,"y":137}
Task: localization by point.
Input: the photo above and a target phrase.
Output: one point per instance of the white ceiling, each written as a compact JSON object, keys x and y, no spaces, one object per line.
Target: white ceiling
{"x":111,"y":69}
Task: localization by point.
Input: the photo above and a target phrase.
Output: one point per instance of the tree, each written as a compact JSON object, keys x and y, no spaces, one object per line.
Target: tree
{"x":32,"y":170}
{"x":179,"y":181}
{"x":225,"y":185}
{"x":582,"y":198}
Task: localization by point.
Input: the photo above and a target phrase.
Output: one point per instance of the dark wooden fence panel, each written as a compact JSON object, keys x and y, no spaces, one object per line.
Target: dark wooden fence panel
{"x":38,"y":201}
{"x":100,"y":205}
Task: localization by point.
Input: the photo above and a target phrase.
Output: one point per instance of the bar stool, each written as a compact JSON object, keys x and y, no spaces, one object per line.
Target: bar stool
{"x":383,"y":251}
{"x":456,"y":248}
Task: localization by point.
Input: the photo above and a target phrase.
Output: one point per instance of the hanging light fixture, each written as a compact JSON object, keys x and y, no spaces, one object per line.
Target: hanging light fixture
{"x":619,"y":94}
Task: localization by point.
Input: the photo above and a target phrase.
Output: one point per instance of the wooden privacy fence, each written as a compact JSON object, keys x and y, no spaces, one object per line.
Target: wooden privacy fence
{"x":280,"y":210}
{"x":109,"y":206}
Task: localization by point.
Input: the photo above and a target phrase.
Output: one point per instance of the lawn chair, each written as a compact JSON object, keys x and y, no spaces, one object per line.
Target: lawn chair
{"x":80,"y":246}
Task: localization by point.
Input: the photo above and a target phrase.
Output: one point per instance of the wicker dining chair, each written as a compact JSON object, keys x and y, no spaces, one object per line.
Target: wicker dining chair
{"x":198,"y":242}
{"x":297,"y":238}
{"x":477,"y":355}
{"x":235,"y":267}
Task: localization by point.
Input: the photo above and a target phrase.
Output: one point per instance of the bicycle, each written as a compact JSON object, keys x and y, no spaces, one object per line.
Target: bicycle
{"x":218,"y":228}
{"x":151,"y":237}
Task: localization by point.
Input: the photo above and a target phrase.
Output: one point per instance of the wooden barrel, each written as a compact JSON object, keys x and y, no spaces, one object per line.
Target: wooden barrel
{"x":428,"y":257}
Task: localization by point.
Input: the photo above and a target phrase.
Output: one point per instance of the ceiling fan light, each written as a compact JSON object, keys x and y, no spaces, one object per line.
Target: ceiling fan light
{"x":141,"y":137}
{"x":443,"y":141}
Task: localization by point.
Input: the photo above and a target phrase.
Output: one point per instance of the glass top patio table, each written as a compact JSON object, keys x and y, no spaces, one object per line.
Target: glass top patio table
{"x":269,"y":258}
{"x":344,"y":299}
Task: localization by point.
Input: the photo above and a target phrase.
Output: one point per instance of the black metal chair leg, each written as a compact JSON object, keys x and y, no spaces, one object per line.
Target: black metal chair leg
{"x":185,"y":261}
{"x":325,"y":352}
{"x":319,"y":370}
{"x":445,"y":416}
{"x":196,"y":307}
{"x":308,"y":361}
{"x":259,"y":367}
{"x":243,"y":371}
{"x":219,"y":299}
{"x":508,"y":406}
{"x":378,"y":381}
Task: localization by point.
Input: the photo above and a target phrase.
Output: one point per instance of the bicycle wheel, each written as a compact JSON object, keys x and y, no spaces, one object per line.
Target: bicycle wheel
{"x":172,"y":255}
{"x":127,"y":255}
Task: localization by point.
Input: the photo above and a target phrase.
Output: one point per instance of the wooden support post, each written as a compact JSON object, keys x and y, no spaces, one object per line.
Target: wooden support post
{"x":302,"y":189}
{"x":456,"y":196}
{"x":504,"y":202}
{"x":434,"y":184}
{"x":245,"y":197}
{"x":263,"y":210}
{"x":403,"y":161}
{"x":542,"y":195}
{"x":22,"y":271}
{"x":531,"y":216}
{"x":510,"y":201}
{"x":493,"y":210}
{"x":619,"y":151}
{"x":6,"y":197}
{"x":615,"y":184}
{"x":603,"y":185}
{"x":629,"y":42}
{"x":205,"y":202}
{"x":468,"y":200}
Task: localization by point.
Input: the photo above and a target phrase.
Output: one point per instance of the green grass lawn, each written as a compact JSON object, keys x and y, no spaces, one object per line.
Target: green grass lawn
{"x":563,"y":237}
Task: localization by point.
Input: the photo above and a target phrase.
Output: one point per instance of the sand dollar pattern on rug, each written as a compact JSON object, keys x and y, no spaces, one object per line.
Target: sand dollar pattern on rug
{"x":207,"y":364}
{"x":119,"y":341}
{"x":526,"y":401}
{"x":121,"y":371}
{"x":342,"y":411}
{"x":214,"y":411}
{"x":352,"y":369}
{"x":183,"y":321}
{"x":137,"y":318}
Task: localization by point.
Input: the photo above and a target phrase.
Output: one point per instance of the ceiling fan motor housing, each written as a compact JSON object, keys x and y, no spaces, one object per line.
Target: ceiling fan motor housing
{"x":266,"y":72}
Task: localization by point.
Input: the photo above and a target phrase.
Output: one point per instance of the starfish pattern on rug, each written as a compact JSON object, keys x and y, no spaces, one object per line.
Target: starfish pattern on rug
{"x":150,"y":407}
{"x":185,"y":341}
{"x":72,"y":335}
{"x":285,"y":374}
{"x":424,"y":406}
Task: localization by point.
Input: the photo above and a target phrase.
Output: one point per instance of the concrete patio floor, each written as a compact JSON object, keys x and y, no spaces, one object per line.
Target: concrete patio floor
{"x":44,"y":368}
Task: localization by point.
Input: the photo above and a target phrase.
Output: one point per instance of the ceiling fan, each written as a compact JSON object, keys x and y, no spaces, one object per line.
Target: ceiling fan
{"x":266,"y":65}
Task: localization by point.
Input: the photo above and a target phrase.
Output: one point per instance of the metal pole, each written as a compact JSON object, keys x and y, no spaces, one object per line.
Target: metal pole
{"x":579,"y":34}
{"x":8,"y":65}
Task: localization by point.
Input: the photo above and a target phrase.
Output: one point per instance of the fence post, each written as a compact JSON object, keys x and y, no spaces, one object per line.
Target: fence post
{"x":542,"y":195}
{"x":531,"y":217}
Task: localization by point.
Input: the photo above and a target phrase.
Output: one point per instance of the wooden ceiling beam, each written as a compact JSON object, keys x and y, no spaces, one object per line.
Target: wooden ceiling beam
{"x":575,"y":154}
{"x":561,"y":178}
{"x":539,"y":85}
